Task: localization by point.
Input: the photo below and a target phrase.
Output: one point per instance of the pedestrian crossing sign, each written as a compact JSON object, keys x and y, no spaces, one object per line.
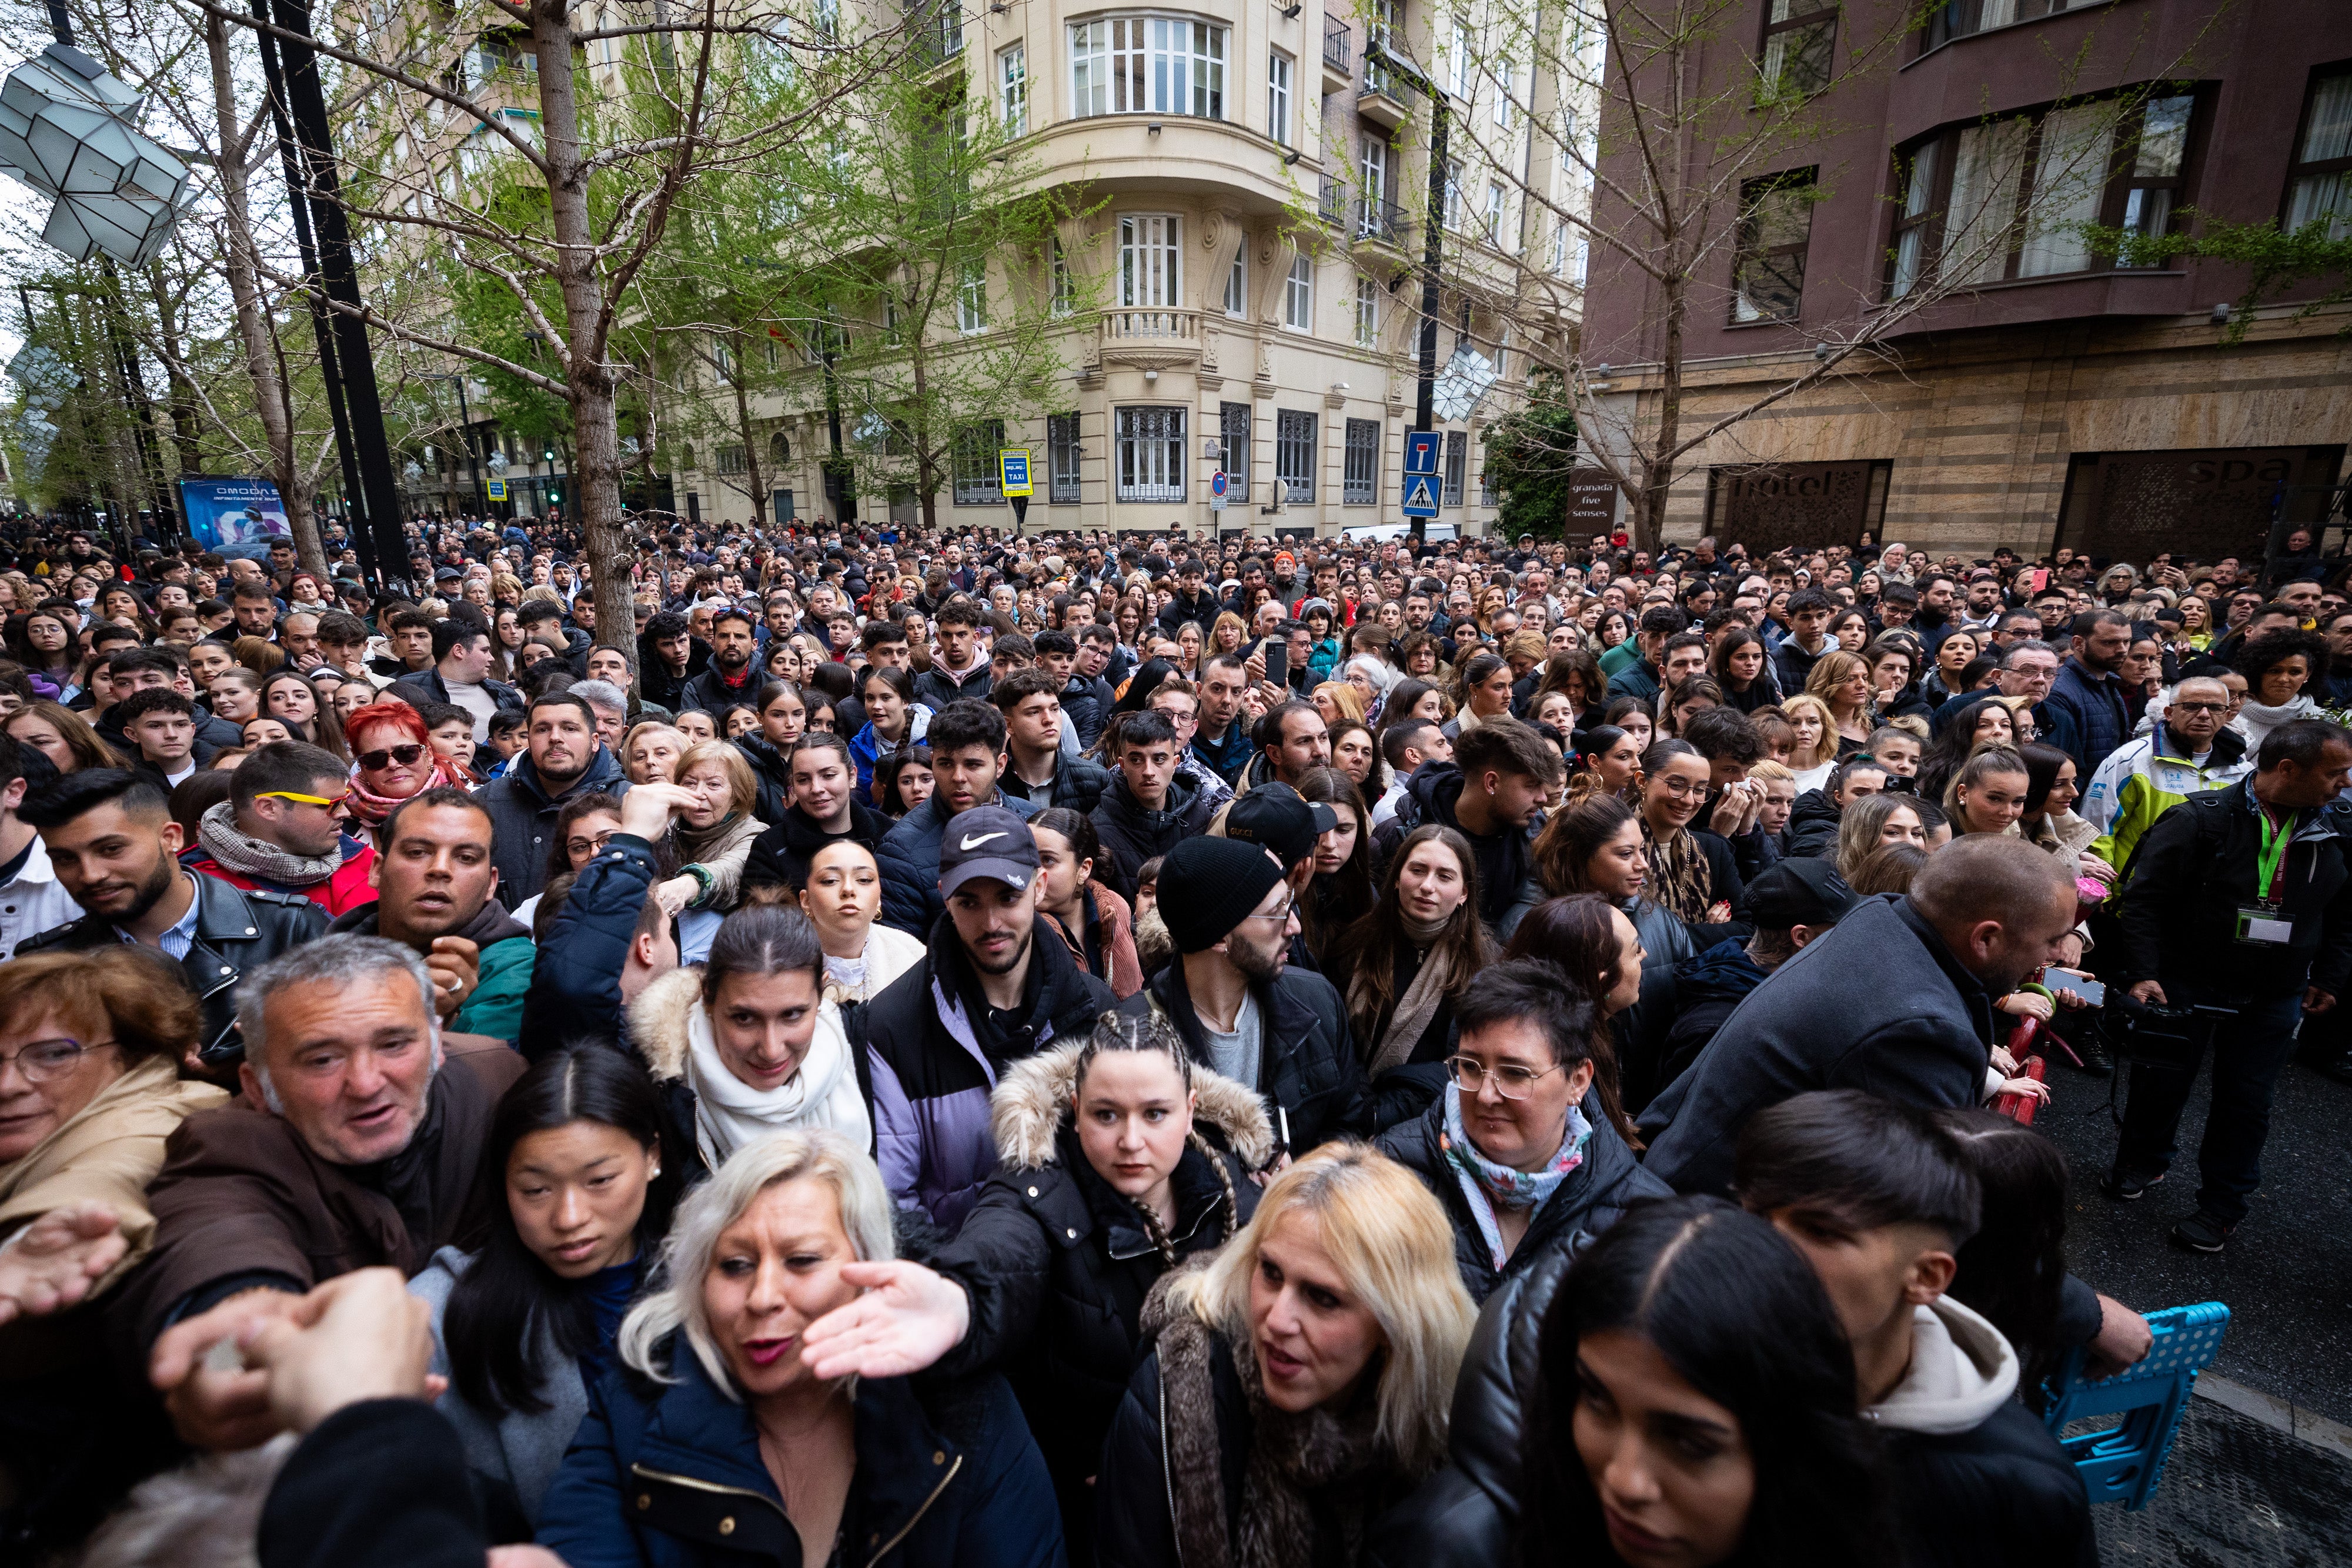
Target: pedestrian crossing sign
{"x":1421,"y":495}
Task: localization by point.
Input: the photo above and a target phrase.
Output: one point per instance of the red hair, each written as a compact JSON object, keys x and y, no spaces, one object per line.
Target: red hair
{"x":392,"y":711}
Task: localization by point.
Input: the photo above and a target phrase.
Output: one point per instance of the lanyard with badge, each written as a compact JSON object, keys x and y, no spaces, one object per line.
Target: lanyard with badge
{"x":2263,"y":924}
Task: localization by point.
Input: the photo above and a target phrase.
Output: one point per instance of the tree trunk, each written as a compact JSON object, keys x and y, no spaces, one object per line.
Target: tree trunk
{"x":186,"y":429}
{"x":589,"y":382}
{"x":270,"y":399}
{"x":753,"y":471}
{"x":1658,"y":463}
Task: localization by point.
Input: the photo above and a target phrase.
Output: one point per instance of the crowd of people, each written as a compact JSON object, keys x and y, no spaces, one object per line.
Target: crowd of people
{"x":887,"y":1048}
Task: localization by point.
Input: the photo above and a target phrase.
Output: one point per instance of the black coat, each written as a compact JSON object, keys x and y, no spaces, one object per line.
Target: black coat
{"x":2003,"y":1491}
{"x":1130,"y":835}
{"x":1813,"y":824}
{"x":1506,"y":860}
{"x":773,"y":772}
{"x":709,"y":693}
{"x":781,"y":856}
{"x":1879,"y":1004}
{"x":1308,"y":1067}
{"x":1586,"y":1204}
{"x":379,"y":1484}
{"x":1078,"y":784}
{"x":238,"y":931}
{"x":1057,"y":1264}
{"x":935,"y":689}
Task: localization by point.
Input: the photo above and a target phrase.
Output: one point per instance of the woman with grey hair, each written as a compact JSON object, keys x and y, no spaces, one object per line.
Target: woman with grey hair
{"x":715,"y":1440}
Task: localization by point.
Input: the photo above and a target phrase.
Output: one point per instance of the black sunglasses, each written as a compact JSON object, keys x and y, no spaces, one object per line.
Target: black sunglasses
{"x":406,"y":756}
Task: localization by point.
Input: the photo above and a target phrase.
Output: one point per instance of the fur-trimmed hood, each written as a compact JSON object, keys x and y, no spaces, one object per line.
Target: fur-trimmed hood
{"x":658,"y":1021}
{"x":1033,"y":1100}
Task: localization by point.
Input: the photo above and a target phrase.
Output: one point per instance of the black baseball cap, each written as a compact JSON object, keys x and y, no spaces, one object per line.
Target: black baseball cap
{"x":987,"y":841}
{"x":1804,"y":890}
{"x":1277,"y":818}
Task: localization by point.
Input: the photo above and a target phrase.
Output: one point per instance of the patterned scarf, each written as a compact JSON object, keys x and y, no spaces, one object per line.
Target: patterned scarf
{"x":1678,"y":873}
{"x":259,"y":859}
{"x":1488,"y":1185}
{"x":373,"y":808}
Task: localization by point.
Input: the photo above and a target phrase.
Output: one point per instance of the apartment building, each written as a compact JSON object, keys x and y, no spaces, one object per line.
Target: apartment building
{"x":1255,"y":182}
{"x":2033,"y":392}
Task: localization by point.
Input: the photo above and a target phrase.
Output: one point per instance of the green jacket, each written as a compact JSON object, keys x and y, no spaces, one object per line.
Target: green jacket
{"x":496,"y":1007}
{"x":1624,"y":653}
{"x":2140,"y":782}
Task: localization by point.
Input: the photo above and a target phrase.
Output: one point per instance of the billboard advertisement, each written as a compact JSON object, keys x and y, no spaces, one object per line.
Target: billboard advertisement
{"x":222,"y":512}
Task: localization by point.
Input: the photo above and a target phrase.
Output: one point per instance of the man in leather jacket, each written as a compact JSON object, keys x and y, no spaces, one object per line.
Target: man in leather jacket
{"x":110,"y":837}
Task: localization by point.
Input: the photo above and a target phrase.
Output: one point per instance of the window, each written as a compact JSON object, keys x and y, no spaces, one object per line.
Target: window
{"x":1368,"y":312}
{"x":1457,"y":465}
{"x":1379,"y":37}
{"x":1776,"y":223}
{"x":1453,"y":193}
{"x":1062,"y":460}
{"x":1959,"y":18}
{"x":1157,"y":65}
{"x":1298,"y":296}
{"x":1506,"y":77}
{"x":1151,"y":252}
{"x":1234,"y":430}
{"x":974,"y":463}
{"x":1013,"y":74}
{"x":971,"y":298}
{"x":1799,"y":37}
{"x":1359,"y":479}
{"x":1151,"y":455}
{"x":1277,"y":98}
{"x":1066,"y":284}
{"x":780,"y":450}
{"x":1294,"y":453}
{"x":731,"y":458}
{"x":2013,"y":198}
{"x":2319,"y":186}
{"x":1461,"y":62}
{"x":1373,"y":217}
{"x":1495,"y":211}
{"x":1237,"y":282}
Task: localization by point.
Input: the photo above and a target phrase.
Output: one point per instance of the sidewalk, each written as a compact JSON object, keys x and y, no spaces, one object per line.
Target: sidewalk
{"x":2237,"y":1493}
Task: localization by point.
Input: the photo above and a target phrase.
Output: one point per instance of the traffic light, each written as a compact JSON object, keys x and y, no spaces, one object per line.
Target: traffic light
{"x":549,"y":455}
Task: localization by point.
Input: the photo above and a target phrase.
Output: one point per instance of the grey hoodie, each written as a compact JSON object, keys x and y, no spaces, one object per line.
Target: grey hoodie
{"x":1963,"y":1370}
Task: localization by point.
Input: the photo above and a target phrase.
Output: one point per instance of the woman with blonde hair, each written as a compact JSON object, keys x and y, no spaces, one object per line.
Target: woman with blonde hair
{"x":1841,"y":682}
{"x":1873,"y":821}
{"x":1226,"y":633}
{"x":61,"y":735}
{"x":714,"y":829}
{"x":1338,"y":700}
{"x":1813,"y":752}
{"x":1315,"y":1357}
{"x":258,"y":655}
{"x":718,"y":1429}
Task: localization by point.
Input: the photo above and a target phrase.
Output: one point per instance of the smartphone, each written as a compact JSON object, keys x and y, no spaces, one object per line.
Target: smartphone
{"x":1277,"y":661}
{"x":2093,"y":992}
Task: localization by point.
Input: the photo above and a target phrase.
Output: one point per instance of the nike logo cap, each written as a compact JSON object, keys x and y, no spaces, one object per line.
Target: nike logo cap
{"x":990,"y":841}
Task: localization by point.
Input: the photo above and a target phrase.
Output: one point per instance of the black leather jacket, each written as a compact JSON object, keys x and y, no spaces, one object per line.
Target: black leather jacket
{"x":237,"y":930}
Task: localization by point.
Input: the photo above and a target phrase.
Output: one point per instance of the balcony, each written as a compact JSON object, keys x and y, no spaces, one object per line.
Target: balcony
{"x":1339,"y":40}
{"x":1149,"y":339}
{"x":1380,"y":98}
{"x":935,"y":30}
{"x":1382,"y":222}
{"x":1333,"y":207}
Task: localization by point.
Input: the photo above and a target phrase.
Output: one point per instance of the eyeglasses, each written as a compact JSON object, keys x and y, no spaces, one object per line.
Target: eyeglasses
{"x":2202,"y":707}
{"x":1280,"y":916}
{"x":406,"y":756}
{"x":1681,"y":787}
{"x":1512,"y":1082}
{"x":44,"y":1060}
{"x":581,"y":849}
{"x":300,"y":799}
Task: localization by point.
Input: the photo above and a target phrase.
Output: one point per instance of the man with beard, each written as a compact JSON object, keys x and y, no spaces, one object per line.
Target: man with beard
{"x":282,"y":829}
{"x":435,"y":884}
{"x":354,"y":1149}
{"x":114,"y":847}
{"x":1242,"y":1010}
{"x":994,"y":985}
{"x":564,"y":758}
{"x":731,"y":677}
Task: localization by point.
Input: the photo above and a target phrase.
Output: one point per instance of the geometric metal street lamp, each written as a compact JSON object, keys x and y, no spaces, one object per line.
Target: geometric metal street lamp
{"x":66,"y":130}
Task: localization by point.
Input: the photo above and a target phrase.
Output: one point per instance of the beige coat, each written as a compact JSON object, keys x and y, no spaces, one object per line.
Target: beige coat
{"x":108,"y":1152}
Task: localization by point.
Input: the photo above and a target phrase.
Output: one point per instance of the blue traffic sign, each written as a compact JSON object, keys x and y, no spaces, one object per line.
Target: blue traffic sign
{"x":1219,"y":484}
{"x":1421,"y":495}
{"x":1420,"y":452}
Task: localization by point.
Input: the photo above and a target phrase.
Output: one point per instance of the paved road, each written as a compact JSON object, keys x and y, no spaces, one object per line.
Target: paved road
{"x":2287,"y":1275}
{"x":2239,"y":1492}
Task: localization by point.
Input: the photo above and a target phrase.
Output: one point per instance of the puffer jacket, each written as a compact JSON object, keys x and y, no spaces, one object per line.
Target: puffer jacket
{"x":1588,"y":1203}
{"x":770,"y":772}
{"x":1309,"y":1073}
{"x":1130,"y":835}
{"x":1813,"y":824}
{"x":1078,"y":784}
{"x":780,"y":857}
{"x":910,"y":854}
{"x":575,"y":981}
{"x":1708,"y":986}
{"x":1057,"y":1264}
{"x":522,"y":814}
{"x":2143,"y":780}
{"x":337,"y":894}
{"x":669,"y":1476}
{"x":866,"y":749}
{"x":1105,"y":945}
{"x":930,"y":1078}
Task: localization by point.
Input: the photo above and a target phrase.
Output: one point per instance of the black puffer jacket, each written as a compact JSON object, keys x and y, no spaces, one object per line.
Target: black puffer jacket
{"x":1077,"y":785}
{"x":774,"y":773}
{"x":1130,"y":835}
{"x":1466,"y":1514}
{"x":781,"y":856}
{"x":1586,"y":1204}
{"x":1308,"y":1066}
{"x":1057,"y":1265}
{"x":1813,"y":824}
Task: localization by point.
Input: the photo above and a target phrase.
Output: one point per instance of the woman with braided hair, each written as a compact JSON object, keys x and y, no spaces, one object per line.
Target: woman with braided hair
{"x":1119,"y":1157}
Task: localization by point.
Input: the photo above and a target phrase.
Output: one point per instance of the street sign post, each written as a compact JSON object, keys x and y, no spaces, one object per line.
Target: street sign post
{"x":1422,"y":490}
{"x":1218,"y":486}
{"x":497,"y":488}
{"x":1013,"y":477}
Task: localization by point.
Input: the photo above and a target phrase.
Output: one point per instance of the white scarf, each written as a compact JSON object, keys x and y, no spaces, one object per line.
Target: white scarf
{"x":729,"y":1113}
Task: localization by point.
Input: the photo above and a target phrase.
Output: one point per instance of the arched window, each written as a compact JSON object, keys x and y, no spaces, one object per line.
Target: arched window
{"x":779,"y":449}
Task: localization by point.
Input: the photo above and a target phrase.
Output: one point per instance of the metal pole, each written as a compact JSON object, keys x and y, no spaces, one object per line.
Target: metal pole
{"x":306,"y":103}
{"x":473,"y":457}
{"x":1433,"y":250}
{"x":837,"y":469}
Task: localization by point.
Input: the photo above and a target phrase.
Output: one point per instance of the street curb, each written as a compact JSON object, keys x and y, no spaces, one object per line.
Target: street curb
{"x":2278,"y":1415}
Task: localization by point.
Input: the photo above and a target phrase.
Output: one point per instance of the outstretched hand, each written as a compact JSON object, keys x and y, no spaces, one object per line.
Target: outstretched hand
{"x":909,"y":1317}
{"x":51,"y":1264}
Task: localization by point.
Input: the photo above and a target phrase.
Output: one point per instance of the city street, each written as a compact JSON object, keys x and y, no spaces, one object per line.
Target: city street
{"x":2240,"y":1487}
